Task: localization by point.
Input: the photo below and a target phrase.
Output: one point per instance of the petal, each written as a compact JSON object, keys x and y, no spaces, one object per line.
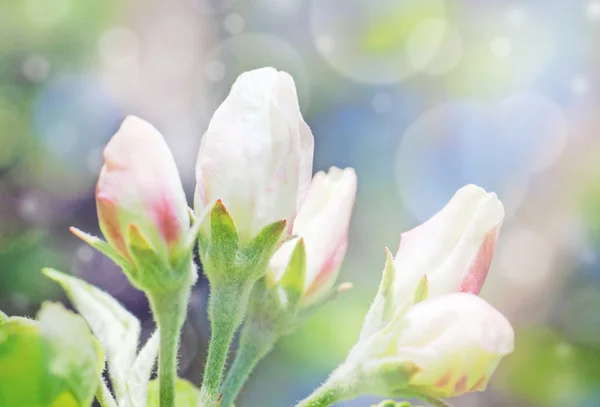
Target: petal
{"x":457,"y":340}
{"x":139,"y":184}
{"x":454,"y":246}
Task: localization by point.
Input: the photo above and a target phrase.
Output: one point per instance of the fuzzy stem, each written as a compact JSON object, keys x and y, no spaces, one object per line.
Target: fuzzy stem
{"x":226,"y":309}
{"x":169,"y":312}
{"x":324,"y":396}
{"x":256,"y":340}
{"x":103,"y":395}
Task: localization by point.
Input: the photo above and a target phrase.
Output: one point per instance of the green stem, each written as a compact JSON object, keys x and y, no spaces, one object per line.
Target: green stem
{"x":169,"y":311}
{"x":103,"y":395}
{"x":256,"y":340}
{"x":324,"y":396}
{"x":226,"y":308}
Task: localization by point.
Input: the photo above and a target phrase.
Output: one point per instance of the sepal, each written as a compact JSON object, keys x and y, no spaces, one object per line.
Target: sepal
{"x":104,"y":248}
{"x":382,"y":308}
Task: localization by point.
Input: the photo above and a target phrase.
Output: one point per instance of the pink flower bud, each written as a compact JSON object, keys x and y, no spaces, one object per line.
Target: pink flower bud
{"x":256,"y":156}
{"x":139,"y":188}
{"x":454,"y":248}
{"x":323,"y":225}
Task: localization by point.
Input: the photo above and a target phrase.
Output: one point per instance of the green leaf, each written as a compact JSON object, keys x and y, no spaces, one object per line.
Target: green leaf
{"x":293,"y":279}
{"x":186,"y":394}
{"x":74,"y":355}
{"x":117,"y":330}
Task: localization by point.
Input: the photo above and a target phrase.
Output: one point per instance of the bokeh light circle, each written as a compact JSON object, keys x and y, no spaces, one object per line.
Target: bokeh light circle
{"x":496,"y":146}
{"x":372,"y":41}
{"x":427,"y":54}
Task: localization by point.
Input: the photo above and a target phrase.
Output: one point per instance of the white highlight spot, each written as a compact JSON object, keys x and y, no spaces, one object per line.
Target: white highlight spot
{"x":85,"y":253}
{"x":593,"y":10}
{"x":36,"y":68}
{"x":501,"y":47}
{"x":325,"y":44}
{"x":234,"y":24}
{"x":580,"y":86}
{"x":382,"y":103}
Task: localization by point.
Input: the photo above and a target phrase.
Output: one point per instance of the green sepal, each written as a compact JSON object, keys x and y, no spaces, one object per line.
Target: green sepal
{"x":186,"y":394}
{"x":392,"y":403}
{"x":104,"y":248}
{"x":422,"y":290}
{"x":154,"y":274}
{"x":260,"y":249}
{"x":382,"y":308}
{"x":388,"y":376}
{"x":224,"y":237}
{"x":293,"y":280}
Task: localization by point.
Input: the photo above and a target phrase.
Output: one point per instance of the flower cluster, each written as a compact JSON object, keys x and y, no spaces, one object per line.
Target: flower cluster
{"x":272,"y":238}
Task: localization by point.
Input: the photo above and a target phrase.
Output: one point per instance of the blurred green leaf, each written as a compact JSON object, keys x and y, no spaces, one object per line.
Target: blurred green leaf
{"x":548,"y":370}
{"x":116,"y":328}
{"x":51,"y":363}
{"x":186,"y":394}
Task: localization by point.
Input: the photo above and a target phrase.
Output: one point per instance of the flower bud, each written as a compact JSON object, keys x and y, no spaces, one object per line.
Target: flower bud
{"x":450,"y":345}
{"x":256,"y":156}
{"x":323,"y":225}
{"x":139,"y":191}
{"x":454,"y":248}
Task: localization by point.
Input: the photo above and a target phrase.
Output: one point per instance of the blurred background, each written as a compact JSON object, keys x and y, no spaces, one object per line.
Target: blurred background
{"x":420,"y":96}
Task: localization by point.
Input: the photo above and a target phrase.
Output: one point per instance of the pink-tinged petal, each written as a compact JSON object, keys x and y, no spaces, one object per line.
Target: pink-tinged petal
{"x":256,"y":155}
{"x":139,"y":185}
{"x":110,"y":225}
{"x":323,"y":224}
{"x":454,"y":248}
{"x":473,"y":281}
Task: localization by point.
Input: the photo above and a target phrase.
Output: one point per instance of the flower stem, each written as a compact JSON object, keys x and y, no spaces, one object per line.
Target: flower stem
{"x":256,"y":340}
{"x":105,"y":399}
{"x":226,"y":308}
{"x":324,"y":396}
{"x":169,"y":311}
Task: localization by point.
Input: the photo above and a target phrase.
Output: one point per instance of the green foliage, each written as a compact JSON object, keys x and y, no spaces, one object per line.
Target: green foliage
{"x":117,"y":330}
{"x":53,"y":362}
{"x":187,"y":395}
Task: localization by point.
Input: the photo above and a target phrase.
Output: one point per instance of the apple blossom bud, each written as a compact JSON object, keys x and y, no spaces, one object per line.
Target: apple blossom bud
{"x":256,"y":156}
{"x":456,"y":340}
{"x":139,"y":188}
{"x":454,"y":248}
{"x":441,"y":347}
{"x":323,"y":226}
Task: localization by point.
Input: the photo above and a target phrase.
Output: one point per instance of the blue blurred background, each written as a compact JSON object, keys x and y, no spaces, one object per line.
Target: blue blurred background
{"x":420,"y":96}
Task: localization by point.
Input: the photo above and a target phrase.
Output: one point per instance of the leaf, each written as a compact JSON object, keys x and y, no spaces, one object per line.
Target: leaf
{"x":74,"y":355}
{"x":186,"y":394}
{"x":137,"y":383}
{"x":117,"y":330}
